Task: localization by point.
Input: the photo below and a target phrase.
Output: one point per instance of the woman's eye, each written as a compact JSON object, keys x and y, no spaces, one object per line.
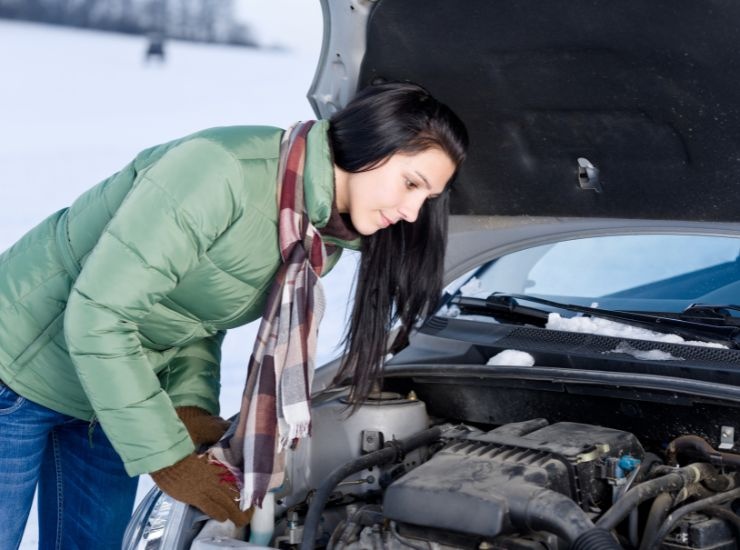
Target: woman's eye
{"x":411,"y":185}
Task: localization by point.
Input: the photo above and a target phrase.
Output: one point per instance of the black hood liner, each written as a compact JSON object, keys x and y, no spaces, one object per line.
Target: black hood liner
{"x":649,"y":92}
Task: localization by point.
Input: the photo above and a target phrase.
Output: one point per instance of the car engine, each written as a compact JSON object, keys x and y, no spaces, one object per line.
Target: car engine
{"x":382,"y":478}
{"x":482,"y":483}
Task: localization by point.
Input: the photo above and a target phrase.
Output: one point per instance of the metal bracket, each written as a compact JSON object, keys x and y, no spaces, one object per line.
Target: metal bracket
{"x":727,"y":438}
{"x":372,"y":440}
{"x":588,"y":175}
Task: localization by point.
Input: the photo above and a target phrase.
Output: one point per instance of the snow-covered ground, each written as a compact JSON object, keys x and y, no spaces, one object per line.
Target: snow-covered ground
{"x":75,"y":106}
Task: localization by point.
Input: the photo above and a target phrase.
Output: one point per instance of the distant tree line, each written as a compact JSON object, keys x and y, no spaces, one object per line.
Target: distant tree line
{"x":193,"y":20}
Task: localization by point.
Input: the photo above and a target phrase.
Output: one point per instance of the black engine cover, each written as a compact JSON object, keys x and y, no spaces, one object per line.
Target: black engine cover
{"x":466,"y":487}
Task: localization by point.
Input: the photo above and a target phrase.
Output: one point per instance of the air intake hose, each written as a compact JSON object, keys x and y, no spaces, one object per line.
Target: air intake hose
{"x":537,"y":509}
{"x":596,"y":539}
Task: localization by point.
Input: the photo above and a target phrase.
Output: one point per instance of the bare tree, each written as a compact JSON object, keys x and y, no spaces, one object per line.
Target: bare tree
{"x":196,"y":20}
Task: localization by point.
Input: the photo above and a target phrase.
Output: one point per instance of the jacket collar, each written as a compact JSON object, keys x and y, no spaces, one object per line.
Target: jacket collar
{"x":318,"y":186}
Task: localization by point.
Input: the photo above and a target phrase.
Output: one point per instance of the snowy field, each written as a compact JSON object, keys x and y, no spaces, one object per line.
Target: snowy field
{"x":75,"y":106}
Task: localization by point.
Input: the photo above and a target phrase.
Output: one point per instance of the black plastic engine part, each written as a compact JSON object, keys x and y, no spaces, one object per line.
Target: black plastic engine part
{"x":443,"y":537}
{"x":495,"y":483}
{"x":687,"y":509}
{"x":702,"y":532}
{"x":390,"y":453}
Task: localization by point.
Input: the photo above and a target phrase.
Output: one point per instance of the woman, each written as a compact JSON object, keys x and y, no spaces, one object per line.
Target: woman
{"x":113,"y":310}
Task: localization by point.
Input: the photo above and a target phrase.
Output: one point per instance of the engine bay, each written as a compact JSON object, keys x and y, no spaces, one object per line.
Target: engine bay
{"x":526,"y":484}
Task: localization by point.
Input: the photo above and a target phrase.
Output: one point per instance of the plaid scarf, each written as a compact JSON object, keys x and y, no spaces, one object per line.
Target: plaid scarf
{"x":275,"y":410}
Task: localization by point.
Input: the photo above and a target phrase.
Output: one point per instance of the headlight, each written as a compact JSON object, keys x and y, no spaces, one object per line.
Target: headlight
{"x":146,"y":528}
{"x":159,"y":522}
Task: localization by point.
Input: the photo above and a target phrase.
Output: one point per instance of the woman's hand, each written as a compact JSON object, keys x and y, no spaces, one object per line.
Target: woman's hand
{"x":209,"y":487}
{"x":204,"y":428}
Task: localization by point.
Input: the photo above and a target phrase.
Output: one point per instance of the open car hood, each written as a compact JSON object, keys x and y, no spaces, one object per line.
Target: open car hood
{"x":580,"y":109}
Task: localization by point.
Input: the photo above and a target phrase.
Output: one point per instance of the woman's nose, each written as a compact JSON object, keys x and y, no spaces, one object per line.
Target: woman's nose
{"x":409,"y":209}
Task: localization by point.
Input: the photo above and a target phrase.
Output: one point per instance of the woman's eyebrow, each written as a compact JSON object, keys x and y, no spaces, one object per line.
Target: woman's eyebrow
{"x":426,"y":182}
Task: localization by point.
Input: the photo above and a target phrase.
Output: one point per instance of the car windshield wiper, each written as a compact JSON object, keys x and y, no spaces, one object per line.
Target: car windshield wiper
{"x":502,"y":309}
{"x":712,"y":314}
{"x":725,"y":330}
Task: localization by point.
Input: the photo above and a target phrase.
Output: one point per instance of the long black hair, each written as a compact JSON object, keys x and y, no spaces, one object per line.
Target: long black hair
{"x":401,"y":267}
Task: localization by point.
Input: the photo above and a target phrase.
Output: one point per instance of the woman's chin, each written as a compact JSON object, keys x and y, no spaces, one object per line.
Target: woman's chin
{"x":366,"y":228}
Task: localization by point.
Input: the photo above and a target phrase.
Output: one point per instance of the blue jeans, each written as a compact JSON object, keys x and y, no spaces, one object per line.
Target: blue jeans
{"x":85,"y":497}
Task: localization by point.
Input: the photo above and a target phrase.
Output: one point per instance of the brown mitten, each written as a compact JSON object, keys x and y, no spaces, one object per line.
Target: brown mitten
{"x":203,"y":427}
{"x":208,"y":487}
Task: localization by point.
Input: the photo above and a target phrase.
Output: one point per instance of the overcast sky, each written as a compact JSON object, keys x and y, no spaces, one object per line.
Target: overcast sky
{"x":293,"y":23}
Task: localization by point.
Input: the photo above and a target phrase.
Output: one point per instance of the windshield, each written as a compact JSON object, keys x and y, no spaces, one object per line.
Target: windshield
{"x":633,"y":272}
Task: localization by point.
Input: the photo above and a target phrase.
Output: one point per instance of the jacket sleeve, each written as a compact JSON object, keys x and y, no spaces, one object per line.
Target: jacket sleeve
{"x":192,"y":377}
{"x":169,"y":219}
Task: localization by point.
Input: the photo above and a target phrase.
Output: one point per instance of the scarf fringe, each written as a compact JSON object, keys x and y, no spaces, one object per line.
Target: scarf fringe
{"x":295,"y":431}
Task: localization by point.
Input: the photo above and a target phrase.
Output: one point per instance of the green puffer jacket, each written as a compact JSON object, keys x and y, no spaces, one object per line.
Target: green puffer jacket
{"x":115,"y":308}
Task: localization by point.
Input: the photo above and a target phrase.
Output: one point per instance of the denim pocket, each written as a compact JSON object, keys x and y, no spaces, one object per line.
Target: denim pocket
{"x":9,"y":400}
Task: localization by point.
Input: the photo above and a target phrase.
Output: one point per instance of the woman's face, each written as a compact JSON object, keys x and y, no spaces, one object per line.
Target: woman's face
{"x":393,"y":191}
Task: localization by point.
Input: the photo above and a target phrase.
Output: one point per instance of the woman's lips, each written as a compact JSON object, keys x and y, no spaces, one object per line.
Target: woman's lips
{"x":385,"y":222}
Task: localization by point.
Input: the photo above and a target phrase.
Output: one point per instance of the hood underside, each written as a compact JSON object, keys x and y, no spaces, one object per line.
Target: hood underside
{"x":645,"y":92}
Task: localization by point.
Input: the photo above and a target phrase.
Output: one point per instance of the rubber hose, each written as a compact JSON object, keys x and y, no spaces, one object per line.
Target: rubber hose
{"x":596,"y":539}
{"x":335,"y":540}
{"x":658,"y":512}
{"x":650,"y":489}
{"x":676,"y":515}
{"x":550,"y":511}
{"x":695,"y":445}
{"x":646,"y":467}
{"x":391,"y":452}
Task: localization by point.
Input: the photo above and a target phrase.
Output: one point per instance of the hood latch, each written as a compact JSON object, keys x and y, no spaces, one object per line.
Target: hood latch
{"x":588,"y":175}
